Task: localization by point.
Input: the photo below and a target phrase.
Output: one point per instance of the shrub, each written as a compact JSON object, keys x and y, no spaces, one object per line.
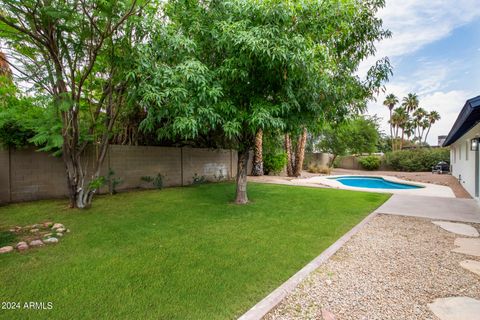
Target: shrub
{"x":196,"y":179}
{"x":417,"y":159}
{"x":317,"y":168}
{"x":369,"y":162}
{"x":274,"y":162}
{"x":112,"y":181}
{"x":157,"y":181}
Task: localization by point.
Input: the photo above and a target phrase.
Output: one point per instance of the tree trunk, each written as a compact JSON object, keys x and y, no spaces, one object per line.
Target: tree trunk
{"x":300,"y":153}
{"x":401,"y":141}
{"x":332,"y":162}
{"x":257,"y":169}
{"x":241,"y":193}
{"x":288,"y":150}
{"x":391,"y":130}
{"x":428,"y":131}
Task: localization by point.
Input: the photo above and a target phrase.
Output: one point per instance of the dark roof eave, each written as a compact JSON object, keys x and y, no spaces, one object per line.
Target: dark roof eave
{"x":466,"y":120}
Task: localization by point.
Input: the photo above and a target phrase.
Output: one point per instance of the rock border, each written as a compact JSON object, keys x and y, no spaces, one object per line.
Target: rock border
{"x":258,"y":311}
{"x":49,"y":231}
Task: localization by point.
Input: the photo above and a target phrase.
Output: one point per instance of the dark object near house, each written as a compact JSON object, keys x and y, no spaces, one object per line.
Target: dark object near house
{"x":441,"y":167}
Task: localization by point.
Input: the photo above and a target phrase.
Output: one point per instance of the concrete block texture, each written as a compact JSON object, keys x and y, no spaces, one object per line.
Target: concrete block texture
{"x":27,"y":174}
{"x":4,"y":176}
{"x":213,"y":164}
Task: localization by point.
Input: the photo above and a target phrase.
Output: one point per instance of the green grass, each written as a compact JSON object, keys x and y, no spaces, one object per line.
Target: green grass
{"x":179,"y":253}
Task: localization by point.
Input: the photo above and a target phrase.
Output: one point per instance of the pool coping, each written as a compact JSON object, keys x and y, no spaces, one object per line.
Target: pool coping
{"x":267,"y":304}
{"x":428,"y":189}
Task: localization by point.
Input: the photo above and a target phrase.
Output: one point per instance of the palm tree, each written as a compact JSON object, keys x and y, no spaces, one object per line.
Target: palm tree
{"x":410,"y":102}
{"x":257,"y":168}
{"x":399,"y":120}
{"x":4,"y":66}
{"x":418,"y":116}
{"x":410,"y":129}
{"x":432,"y":117}
{"x":390,"y":101}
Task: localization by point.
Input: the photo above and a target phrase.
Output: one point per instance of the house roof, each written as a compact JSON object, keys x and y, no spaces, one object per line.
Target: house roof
{"x":466,"y":120}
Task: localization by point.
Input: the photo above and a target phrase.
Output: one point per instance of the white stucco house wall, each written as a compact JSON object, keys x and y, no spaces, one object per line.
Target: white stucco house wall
{"x":463,"y":140}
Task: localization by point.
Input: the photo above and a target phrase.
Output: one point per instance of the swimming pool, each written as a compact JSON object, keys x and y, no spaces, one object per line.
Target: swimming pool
{"x":373,"y":183}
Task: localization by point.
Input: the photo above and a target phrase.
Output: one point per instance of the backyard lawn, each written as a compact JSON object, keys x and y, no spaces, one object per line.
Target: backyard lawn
{"x":179,"y":253}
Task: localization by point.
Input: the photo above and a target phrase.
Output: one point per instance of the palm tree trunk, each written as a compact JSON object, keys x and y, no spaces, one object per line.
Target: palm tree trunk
{"x":401,"y":141}
{"x":257,"y":169}
{"x":428,"y":131}
{"x":396,"y":137}
{"x":391,"y":128}
{"x":300,"y":153}
{"x":288,"y":151}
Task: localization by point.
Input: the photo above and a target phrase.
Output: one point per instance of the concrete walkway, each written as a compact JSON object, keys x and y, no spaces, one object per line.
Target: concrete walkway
{"x":439,"y":208}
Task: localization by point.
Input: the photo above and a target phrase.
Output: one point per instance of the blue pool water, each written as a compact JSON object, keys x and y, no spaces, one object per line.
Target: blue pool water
{"x":373,"y":182}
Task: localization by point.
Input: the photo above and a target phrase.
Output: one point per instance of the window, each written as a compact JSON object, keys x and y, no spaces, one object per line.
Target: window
{"x":466,"y":150}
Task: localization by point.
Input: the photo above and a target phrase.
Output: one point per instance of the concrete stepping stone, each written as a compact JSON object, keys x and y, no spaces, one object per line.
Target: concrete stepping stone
{"x":471,"y":265}
{"x":455,"y":308}
{"x":458,"y":228}
{"x":470,"y":246}
{"x":327,"y":315}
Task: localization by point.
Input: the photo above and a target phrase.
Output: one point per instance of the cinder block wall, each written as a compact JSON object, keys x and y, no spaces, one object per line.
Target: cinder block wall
{"x":4,"y":176}
{"x":36,"y":175}
{"x":30,"y":175}
{"x":130,"y":163}
{"x":212,"y":164}
{"x":320,"y":159}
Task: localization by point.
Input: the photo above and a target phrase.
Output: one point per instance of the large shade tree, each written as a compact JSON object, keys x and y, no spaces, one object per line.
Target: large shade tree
{"x":241,"y":66}
{"x":76,"y":53}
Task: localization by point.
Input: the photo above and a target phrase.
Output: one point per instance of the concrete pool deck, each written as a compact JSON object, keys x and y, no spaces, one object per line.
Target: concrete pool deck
{"x":440,"y":208}
{"x":428,"y":189}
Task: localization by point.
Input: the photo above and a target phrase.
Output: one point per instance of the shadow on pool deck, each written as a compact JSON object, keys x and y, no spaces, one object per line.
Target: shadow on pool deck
{"x":452,"y":209}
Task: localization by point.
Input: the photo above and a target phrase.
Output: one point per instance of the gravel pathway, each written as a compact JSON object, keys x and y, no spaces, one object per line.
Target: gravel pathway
{"x":391,"y":269}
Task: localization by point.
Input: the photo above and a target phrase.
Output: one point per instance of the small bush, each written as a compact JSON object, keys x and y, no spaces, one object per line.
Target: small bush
{"x":112,"y":181}
{"x":369,"y":162}
{"x":157,"y":181}
{"x":417,"y":160}
{"x":196,"y":179}
{"x":274,"y":163}
{"x":317,"y":168}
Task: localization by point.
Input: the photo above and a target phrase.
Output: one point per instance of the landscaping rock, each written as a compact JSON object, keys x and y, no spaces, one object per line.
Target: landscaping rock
{"x":58,"y":225}
{"x":467,"y":246}
{"x":22,"y":246}
{"x":455,"y":308}
{"x":59,"y":234}
{"x":471,"y":265}
{"x":36,"y":243}
{"x":458,"y":228}
{"x":6,"y":249}
{"x":34,"y":230}
{"x":50,"y":240}
{"x":61,"y":230}
{"x":48,"y":224}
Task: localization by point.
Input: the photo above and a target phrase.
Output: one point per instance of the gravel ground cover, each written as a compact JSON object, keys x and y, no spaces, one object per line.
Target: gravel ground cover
{"x":391,"y":269}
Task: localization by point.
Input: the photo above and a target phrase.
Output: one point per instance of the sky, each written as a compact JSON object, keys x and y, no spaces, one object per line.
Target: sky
{"x":435,"y":52}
